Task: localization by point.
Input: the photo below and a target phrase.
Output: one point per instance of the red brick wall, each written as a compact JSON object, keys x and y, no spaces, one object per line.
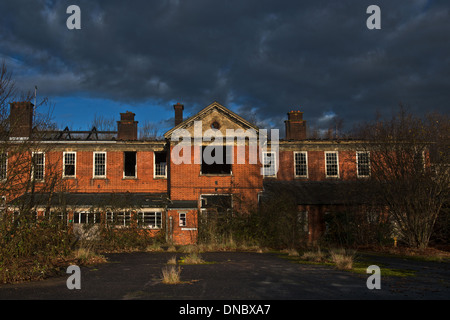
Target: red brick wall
{"x":114,"y":181}
{"x":187,"y":183}
{"x":316,"y":165}
{"x":182,"y":235}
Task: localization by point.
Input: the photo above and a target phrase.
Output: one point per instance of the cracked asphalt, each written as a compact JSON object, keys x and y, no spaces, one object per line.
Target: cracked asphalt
{"x":237,"y":276}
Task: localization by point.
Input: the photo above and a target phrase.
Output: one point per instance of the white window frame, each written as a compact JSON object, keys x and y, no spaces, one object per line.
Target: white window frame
{"x":273,"y":165}
{"x":93,"y":165}
{"x":34,"y":165}
{"x":158,"y":218}
{"x":357,"y":164}
{"x":89,"y":216}
{"x":306,"y":163}
{"x":64,"y":164}
{"x":337,"y":164}
{"x":154,"y":168}
{"x":182,"y":218}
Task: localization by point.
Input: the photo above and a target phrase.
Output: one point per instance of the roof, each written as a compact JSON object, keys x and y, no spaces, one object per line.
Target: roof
{"x":118,"y":200}
{"x":220,"y":108}
{"x":318,"y":192}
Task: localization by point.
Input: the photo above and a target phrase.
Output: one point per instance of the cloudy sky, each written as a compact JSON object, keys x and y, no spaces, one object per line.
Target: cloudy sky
{"x":259,"y":58}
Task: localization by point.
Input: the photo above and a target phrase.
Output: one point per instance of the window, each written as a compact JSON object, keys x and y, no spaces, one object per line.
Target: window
{"x":3,"y":165}
{"x":150,"y":220}
{"x":219,"y":163}
{"x":182,"y":222}
{"x":86,"y":217}
{"x":99,"y":164}
{"x":331,"y":164}
{"x":38,"y":163}
{"x":120,"y":218}
{"x":129,"y":164}
{"x":301,"y":164}
{"x":123,"y":218}
{"x":269,"y":164}
{"x":363,"y":164}
{"x":160,"y":164}
{"x":69,"y":162}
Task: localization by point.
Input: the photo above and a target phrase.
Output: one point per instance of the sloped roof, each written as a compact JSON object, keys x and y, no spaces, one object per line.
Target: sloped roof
{"x":213,"y":106}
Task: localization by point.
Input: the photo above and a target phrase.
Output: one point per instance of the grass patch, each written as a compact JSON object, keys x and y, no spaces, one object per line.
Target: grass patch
{"x":171,"y":275}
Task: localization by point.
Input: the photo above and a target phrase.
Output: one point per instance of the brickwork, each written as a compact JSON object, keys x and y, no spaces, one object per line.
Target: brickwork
{"x":186,"y":182}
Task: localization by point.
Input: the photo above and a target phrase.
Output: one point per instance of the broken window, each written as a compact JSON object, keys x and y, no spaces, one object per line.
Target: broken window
{"x":129,"y":164}
{"x":216,"y":160}
{"x":160,"y":164}
{"x":269,"y":164}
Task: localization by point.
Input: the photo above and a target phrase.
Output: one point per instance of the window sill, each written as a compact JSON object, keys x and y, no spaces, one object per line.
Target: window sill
{"x":129,"y":178}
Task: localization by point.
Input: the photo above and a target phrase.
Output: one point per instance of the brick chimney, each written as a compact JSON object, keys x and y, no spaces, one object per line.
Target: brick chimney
{"x":127,"y":127}
{"x":295,"y":126}
{"x":178,"y":113}
{"x":21,"y":119}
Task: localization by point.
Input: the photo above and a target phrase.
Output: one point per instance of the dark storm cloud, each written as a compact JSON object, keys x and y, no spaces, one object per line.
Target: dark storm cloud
{"x":264,"y":58}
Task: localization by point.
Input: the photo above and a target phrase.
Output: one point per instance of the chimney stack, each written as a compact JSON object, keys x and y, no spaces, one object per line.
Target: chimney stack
{"x":295,"y":126}
{"x":21,"y":119}
{"x":178,"y":113}
{"x":127,"y":127}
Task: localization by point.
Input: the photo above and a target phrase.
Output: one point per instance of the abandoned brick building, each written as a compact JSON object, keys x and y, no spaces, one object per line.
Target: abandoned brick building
{"x":114,"y":170}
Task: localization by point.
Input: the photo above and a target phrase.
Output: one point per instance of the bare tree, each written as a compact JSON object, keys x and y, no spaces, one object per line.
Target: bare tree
{"x":409,"y":172}
{"x":148,"y":131}
{"x":102,"y":123}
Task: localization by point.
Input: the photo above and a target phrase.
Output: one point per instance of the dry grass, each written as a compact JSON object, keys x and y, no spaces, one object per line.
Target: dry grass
{"x":193,"y":258}
{"x":172,"y":261}
{"x":155,"y":247}
{"x":171,"y":249}
{"x":291,"y":252}
{"x":171,"y":274}
{"x":315,"y":256}
{"x":343,"y":259}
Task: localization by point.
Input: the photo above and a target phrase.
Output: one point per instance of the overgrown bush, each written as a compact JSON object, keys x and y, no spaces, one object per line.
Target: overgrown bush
{"x":30,"y":248}
{"x":357,"y":228}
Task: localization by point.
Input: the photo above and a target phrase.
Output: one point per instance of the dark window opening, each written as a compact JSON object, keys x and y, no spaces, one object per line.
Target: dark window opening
{"x":221,"y":164}
{"x":130,"y":163}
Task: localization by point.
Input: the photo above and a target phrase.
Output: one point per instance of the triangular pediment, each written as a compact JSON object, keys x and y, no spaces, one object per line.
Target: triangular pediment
{"x":214,"y":116}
